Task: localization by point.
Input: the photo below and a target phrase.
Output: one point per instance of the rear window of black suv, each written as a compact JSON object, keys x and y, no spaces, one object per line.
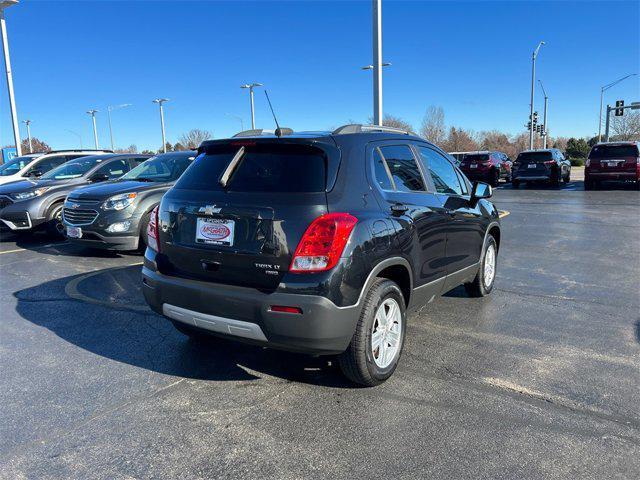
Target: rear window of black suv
{"x":261,"y":168}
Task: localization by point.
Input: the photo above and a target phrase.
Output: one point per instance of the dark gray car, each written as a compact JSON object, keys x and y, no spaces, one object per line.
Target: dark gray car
{"x":114,"y":215}
{"x":31,"y":204}
{"x":541,"y":165}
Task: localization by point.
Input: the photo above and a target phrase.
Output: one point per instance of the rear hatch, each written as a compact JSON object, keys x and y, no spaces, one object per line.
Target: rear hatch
{"x":237,"y":214}
{"x":474,"y":162}
{"x":621,"y":158}
{"x":534,"y":163}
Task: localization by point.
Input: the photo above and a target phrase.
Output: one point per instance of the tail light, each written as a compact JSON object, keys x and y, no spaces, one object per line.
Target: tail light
{"x":322,"y":244}
{"x":550,"y":162}
{"x":153,"y":239}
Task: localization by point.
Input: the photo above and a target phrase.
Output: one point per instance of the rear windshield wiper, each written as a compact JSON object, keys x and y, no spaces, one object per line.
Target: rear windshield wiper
{"x":233,"y":164}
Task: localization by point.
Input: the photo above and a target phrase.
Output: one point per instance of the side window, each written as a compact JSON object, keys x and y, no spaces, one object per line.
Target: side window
{"x":47,"y":164}
{"x":403,"y":168}
{"x":442,"y":172}
{"x":137,"y":161}
{"x":463,"y":184}
{"x":380,"y":171}
{"x":113,"y":169}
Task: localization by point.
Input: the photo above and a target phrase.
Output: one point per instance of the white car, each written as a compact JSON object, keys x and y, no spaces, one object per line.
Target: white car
{"x":34,"y":165}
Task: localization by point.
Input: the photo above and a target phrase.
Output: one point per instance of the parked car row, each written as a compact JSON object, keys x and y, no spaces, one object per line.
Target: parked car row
{"x":613,"y":161}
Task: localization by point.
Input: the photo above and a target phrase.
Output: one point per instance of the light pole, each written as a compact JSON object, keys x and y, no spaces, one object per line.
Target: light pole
{"x":602,"y":90}
{"x":544,"y":119}
{"x":77,"y":135}
{"x":250,"y":86}
{"x":28,"y":124}
{"x":533,"y":84}
{"x":237,"y":117}
{"x":7,"y":64}
{"x":109,"y":110}
{"x":160,"y":101}
{"x":375,"y":89}
{"x":95,"y":129}
{"x":377,"y":61}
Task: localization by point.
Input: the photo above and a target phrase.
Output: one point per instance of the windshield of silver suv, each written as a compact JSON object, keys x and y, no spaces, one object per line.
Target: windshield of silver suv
{"x":163,"y":168}
{"x":15,"y":165}
{"x":74,"y":169}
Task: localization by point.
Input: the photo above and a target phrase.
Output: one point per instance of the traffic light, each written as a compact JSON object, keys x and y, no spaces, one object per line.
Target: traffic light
{"x":542,"y":130}
{"x":528,"y":125}
{"x":619,"y":111}
{"x":535,"y":117}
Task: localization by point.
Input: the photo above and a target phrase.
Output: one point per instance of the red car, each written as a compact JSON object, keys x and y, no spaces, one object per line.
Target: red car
{"x":613,"y":161}
{"x":487,"y":167}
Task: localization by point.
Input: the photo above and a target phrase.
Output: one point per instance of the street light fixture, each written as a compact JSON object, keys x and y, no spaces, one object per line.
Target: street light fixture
{"x":602,"y":90}
{"x":533,"y":84}
{"x":95,"y":129}
{"x":237,"y":117}
{"x":544,"y":120}
{"x":7,"y":64}
{"x":28,"y":124}
{"x":77,"y":135}
{"x":160,"y":101}
{"x":109,"y":110}
{"x":251,"y":86}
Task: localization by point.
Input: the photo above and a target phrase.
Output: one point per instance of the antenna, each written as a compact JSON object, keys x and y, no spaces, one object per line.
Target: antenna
{"x":278,"y":131}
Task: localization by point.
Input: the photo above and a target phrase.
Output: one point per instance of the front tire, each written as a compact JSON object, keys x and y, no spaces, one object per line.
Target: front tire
{"x":55,"y":227}
{"x":376,"y":345}
{"x":484,"y":280}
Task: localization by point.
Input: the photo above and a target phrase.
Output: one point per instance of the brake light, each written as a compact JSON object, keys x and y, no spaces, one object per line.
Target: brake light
{"x":153,"y":239}
{"x":550,"y":162}
{"x":322,"y":244}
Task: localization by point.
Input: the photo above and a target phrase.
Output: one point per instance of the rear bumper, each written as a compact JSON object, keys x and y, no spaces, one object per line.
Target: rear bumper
{"x":531,"y":178}
{"x":611,"y":176}
{"x":245,"y":314}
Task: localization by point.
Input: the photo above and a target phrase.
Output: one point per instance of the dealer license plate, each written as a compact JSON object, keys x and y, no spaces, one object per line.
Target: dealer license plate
{"x":74,"y":232}
{"x":215,"y":231}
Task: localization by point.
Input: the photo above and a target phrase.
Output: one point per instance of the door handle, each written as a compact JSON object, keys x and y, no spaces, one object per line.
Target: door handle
{"x":399,"y":208}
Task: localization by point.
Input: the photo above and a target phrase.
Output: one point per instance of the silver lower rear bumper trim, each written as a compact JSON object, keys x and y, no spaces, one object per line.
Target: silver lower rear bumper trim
{"x":214,"y":323}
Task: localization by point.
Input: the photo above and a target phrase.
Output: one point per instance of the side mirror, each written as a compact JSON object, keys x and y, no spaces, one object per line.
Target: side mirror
{"x":99,"y":177}
{"x":481,"y":190}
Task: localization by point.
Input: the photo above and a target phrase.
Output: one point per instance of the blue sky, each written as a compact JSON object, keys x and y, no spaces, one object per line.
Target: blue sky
{"x":471,"y":58}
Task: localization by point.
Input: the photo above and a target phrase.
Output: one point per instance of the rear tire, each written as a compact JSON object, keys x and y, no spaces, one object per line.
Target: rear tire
{"x":376,"y":345}
{"x":484,"y":280}
{"x":494,"y":178}
{"x":554,"y":180}
{"x":54,"y":226}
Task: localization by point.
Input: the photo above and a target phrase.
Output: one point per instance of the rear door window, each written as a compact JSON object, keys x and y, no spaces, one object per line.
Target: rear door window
{"x":443,"y":174}
{"x":381,"y":171}
{"x":261,"y":168}
{"x":403,"y":168}
{"x":114,"y":169}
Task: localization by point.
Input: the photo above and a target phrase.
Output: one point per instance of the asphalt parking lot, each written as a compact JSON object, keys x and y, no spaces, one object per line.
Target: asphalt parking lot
{"x":539,"y":380}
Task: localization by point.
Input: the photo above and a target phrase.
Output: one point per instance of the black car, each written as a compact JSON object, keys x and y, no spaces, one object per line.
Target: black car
{"x":318,"y":242}
{"x":114,"y":215}
{"x":541,"y":165}
{"x":30,"y":204}
{"x":487,"y":166}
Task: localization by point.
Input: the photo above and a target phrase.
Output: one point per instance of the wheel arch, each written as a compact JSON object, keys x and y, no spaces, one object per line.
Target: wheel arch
{"x":396,"y":269}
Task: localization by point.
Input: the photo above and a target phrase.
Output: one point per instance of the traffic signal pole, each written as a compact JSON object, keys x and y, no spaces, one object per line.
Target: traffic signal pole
{"x":619,"y":109}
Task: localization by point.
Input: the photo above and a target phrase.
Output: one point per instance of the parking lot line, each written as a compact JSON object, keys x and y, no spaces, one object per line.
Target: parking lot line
{"x":49,"y":245}
{"x":503,"y":213}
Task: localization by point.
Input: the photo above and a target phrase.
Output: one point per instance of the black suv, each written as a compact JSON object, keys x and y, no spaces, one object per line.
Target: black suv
{"x":30,"y":204}
{"x":541,"y":165}
{"x":318,"y":242}
{"x":114,"y":215}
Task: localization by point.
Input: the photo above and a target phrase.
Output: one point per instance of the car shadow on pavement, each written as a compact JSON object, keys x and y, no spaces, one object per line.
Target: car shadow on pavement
{"x":120,"y":327}
{"x":638,"y":331}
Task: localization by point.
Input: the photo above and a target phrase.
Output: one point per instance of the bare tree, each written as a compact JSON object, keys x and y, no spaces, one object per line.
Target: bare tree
{"x":460,"y":140}
{"x":130,"y":149}
{"x":396,"y":122}
{"x":495,"y":140}
{"x":520,"y":142}
{"x":559,"y":142}
{"x":626,"y":127}
{"x":193,"y":138}
{"x":433,"y":128}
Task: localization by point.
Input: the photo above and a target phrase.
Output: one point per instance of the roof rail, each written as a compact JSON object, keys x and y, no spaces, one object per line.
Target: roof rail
{"x":103,"y":150}
{"x":359,"y":128}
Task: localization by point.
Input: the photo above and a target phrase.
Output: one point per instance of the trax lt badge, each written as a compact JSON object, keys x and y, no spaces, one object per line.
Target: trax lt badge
{"x":209,"y":210}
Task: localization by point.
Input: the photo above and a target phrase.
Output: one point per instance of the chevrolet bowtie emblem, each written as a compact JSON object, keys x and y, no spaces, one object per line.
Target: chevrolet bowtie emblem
{"x":209,"y":210}
{"x":75,"y":205}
